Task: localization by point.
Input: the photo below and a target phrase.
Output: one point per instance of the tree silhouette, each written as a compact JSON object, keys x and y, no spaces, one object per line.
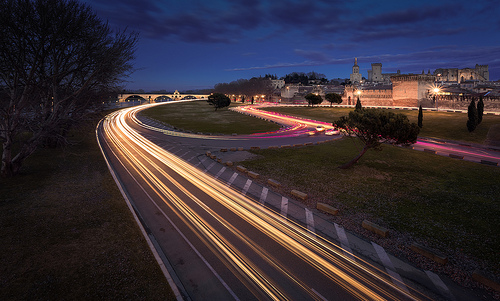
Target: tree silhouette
{"x":333,"y":98}
{"x":420,"y":117}
{"x":57,"y":59}
{"x":473,"y":117}
{"x":219,"y":100}
{"x":480,"y":110}
{"x":313,"y":99}
{"x":374,"y":127}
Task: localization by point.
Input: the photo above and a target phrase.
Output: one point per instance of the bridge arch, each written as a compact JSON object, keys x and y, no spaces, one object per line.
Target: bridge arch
{"x":151,"y":97}
{"x":135,"y":97}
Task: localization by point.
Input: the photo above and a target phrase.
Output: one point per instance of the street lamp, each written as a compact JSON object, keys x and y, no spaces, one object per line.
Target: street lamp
{"x":436,"y":91}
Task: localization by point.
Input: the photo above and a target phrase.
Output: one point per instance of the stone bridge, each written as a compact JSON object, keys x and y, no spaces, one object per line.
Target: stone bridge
{"x":152,"y":97}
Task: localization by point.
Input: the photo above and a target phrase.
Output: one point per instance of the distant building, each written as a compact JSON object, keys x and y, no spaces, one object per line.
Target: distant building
{"x":455,"y":75}
{"x":375,"y":74}
{"x":355,"y":75}
{"x":277,"y":83}
{"x":410,"y":90}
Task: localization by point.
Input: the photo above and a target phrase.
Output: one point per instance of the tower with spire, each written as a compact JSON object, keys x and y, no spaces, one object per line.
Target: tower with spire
{"x":355,"y":75}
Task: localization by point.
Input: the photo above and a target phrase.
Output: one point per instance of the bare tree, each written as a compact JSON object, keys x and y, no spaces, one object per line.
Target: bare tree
{"x":56,"y":56}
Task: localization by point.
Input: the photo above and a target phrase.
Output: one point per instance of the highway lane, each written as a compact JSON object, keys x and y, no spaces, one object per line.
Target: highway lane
{"x":223,"y":245}
{"x":455,"y":149}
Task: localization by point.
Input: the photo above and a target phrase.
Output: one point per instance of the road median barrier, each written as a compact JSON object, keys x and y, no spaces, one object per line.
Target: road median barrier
{"x":273,"y":147}
{"x":489,"y":162}
{"x":327,"y":208}
{"x":233,"y":149}
{"x":241,"y":169}
{"x":253,"y":175}
{"x":240,"y":149}
{"x":372,"y":227}
{"x":208,"y":154}
{"x":486,"y":279}
{"x":212,"y":156}
{"x":299,"y":194}
{"x":223,"y":150}
{"x":430,"y":151}
{"x":298,"y":145}
{"x":429,"y":253}
{"x":228,"y":163}
{"x":254,"y":148}
{"x":308,"y":143}
{"x":286,"y":146}
{"x":273,"y":183}
{"x":456,"y":156}
{"x":219,"y":160}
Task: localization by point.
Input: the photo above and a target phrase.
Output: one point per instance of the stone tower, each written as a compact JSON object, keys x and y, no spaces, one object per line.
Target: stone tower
{"x":355,"y":75}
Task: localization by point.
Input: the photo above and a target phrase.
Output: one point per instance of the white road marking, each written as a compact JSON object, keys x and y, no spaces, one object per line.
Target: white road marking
{"x":263,"y":195}
{"x":389,"y":267}
{"x":247,"y":185}
{"x":310,"y":220}
{"x":231,"y":180}
{"x":319,"y":295}
{"x":440,"y":285}
{"x":210,"y":166}
{"x":344,"y":242}
{"x":220,"y":172}
{"x":284,"y":206}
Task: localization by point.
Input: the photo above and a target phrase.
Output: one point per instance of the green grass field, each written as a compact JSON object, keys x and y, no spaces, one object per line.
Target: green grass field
{"x":449,"y":203}
{"x":67,"y":234}
{"x":199,"y":116}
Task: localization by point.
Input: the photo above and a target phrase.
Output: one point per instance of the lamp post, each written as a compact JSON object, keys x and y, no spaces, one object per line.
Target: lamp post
{"x":436,"y":93}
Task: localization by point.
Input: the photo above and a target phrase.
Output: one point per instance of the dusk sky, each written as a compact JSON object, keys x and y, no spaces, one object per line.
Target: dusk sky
{"x":194,"y":44}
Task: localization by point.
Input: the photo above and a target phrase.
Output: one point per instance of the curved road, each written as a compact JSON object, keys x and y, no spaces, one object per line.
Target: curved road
{"x":222,"y":245}
{"x":218,"y":244}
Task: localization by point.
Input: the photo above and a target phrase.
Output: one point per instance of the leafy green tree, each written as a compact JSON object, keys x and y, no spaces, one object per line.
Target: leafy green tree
{"x":480,"y":110}
{"x":58,"y":59}
{"x":420,"y":117}
{"x":358,"y":105}
{"x":333,"y":98}
{"x":219,"y":100}
{"x":374,"y":127}
{"x":473,"y":116}
{"x":313,"y":99}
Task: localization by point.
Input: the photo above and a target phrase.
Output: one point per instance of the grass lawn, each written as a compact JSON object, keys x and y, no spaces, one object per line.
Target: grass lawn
{"x":67,"y":234}
{"x":450,"y":203}
{"x":199,"y":116}
{"x":443,"y":125}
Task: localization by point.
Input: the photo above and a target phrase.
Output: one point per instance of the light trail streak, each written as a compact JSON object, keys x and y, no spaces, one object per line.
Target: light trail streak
{"x":442,"y":147}
{"x":359,"y":279}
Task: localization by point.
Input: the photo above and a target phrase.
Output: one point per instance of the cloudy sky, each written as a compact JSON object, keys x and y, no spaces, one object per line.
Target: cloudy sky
{"x":193,"y":44}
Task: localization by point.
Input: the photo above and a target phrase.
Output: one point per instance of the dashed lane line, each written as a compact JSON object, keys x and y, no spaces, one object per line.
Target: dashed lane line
{"x":210,"y":166}
{"x":310,"y":220}
{"x":389,"y":267}
{"x":220,"y":172}
{"x":440,"y":285}
{"x":344,"y":243}
{"x":231,"y":180}
{"x":263,"y":195}
{"x":284,"y":206}
{"x":247,"y":186}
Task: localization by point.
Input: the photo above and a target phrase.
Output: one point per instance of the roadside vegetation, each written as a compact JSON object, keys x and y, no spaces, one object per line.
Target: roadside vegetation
{"x":445,"y":203}
{"x":442,"y":125}
{"x":67,"y":233}
{"x":199,"y":116}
